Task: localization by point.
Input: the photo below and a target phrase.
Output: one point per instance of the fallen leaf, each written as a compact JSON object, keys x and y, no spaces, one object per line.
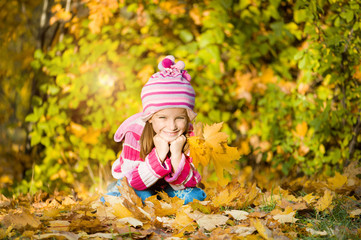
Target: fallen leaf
{"x":286,"y":217}
{"x":225,"y":196}
{"x":325,"y":201}
{"x":120,"y":211}
{"x":4,"y":202}
{"x":238,"y":214}
{"x":166,"y":206}
{"x":54,"y":203}
{"x":355,"y":212}
{"x":132,"y":221}
{"x":98,"y":236}
{"x":51,"y":212}
{"x":257,"y":214}
{"x":262,"y":229}
{"x":200,"y":206}
{"x":2,"y":233}
{"x":242,"y":231}
{"x":166,"y":221}
{"x":59,"y":225}
{"x":128,"y":192}
{"x":20,"y":220}
{"x":211,"y":221}
{"x":337,"y":181}
{"x":295,"y":206}
{"x":352,"y":169}
{"x":253,"y":193}
{"x":60,"y":235}
{"x":68,"y":201}
{"x":183,"y":222}
{"x":314,"y":232}
{"x":310,"y":198}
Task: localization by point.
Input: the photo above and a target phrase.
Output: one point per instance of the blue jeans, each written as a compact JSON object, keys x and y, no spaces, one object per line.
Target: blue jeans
{"x":188,"y":194}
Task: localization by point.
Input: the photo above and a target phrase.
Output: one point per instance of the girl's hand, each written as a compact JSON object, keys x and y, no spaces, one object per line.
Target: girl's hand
{"x":161,"y":146}
{"x":176,"y":149}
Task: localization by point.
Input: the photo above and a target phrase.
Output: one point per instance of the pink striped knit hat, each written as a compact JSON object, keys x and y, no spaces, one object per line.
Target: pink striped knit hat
{"x":168,"y":88}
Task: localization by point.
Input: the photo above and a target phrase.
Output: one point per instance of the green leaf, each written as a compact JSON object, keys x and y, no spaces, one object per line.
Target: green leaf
{"x":38,"y":54}
{"x":298,"y":55}
{"x":35,"y":138}
{"x":348,"y":15}
{"x":300,"y":15}
{"x":53,"y":89}
{"x":31,"y":118}
{"x":186,"y":36}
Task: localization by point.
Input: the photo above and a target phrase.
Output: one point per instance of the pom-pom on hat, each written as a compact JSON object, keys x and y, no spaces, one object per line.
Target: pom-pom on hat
{"x":168,"y":88}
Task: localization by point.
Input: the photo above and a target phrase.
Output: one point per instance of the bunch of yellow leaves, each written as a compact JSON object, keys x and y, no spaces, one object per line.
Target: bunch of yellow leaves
{"x":210,"y":146}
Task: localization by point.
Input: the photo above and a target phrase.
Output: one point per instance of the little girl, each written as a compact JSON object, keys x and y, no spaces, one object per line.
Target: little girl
{"x":155,"y":155}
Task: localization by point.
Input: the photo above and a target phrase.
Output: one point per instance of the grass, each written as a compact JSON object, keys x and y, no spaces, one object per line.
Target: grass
{"x":337,"y":222}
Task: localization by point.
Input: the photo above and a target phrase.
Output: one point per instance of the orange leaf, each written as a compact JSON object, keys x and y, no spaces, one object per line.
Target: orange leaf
{"x":301,"y":129}
{"x":91,"y":137}
{"x":77,"y":129}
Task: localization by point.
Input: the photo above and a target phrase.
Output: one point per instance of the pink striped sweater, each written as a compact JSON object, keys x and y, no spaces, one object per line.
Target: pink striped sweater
{"x":143,"y":173}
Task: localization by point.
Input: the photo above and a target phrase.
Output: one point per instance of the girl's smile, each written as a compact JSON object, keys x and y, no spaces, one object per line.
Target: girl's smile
{"x":170,"y":123}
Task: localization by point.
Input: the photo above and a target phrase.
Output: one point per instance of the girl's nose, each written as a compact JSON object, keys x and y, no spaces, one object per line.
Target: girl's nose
{"x":172,"y":125}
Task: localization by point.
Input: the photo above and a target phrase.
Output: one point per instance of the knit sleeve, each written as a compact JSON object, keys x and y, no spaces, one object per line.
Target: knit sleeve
{"x":140,"y":173}
{"x":149,"y":171}
{"x":185,"y":176}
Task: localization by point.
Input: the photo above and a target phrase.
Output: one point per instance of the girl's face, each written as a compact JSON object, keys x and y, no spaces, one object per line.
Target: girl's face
{"x":170,"y":123}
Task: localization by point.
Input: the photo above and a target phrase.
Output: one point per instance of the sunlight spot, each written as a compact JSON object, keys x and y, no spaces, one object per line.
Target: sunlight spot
{"x":106,"y":79}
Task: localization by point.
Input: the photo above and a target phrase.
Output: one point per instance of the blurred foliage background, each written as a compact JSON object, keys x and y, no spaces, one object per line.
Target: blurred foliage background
{"x":283,"y":76}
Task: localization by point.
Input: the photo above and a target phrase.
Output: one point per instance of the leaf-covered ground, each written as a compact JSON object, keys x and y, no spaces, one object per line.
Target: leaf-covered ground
{"x":247,"y":208}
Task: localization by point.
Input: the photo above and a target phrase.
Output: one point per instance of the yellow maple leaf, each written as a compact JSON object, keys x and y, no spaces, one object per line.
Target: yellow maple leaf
{"x":198,"y":151}
{"x":183,"y":222}
{"x":262,"y":229}
{"x":310,"y":198}
{"x":212,"y":147}
{"x":226,"y":196}
{"x":287,"y":216}
{"x":301,"y":129}
{"x":120,"y":211}
{"x":325,"y":201}
{"x":248,"y":199}
{"x":337,"y":181}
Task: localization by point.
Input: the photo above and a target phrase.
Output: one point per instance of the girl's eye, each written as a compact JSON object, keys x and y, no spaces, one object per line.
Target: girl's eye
{"x":161,"y":117}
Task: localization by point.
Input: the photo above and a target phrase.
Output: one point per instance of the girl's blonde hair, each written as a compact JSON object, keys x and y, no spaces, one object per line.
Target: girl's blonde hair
{"x":146,"y":140}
